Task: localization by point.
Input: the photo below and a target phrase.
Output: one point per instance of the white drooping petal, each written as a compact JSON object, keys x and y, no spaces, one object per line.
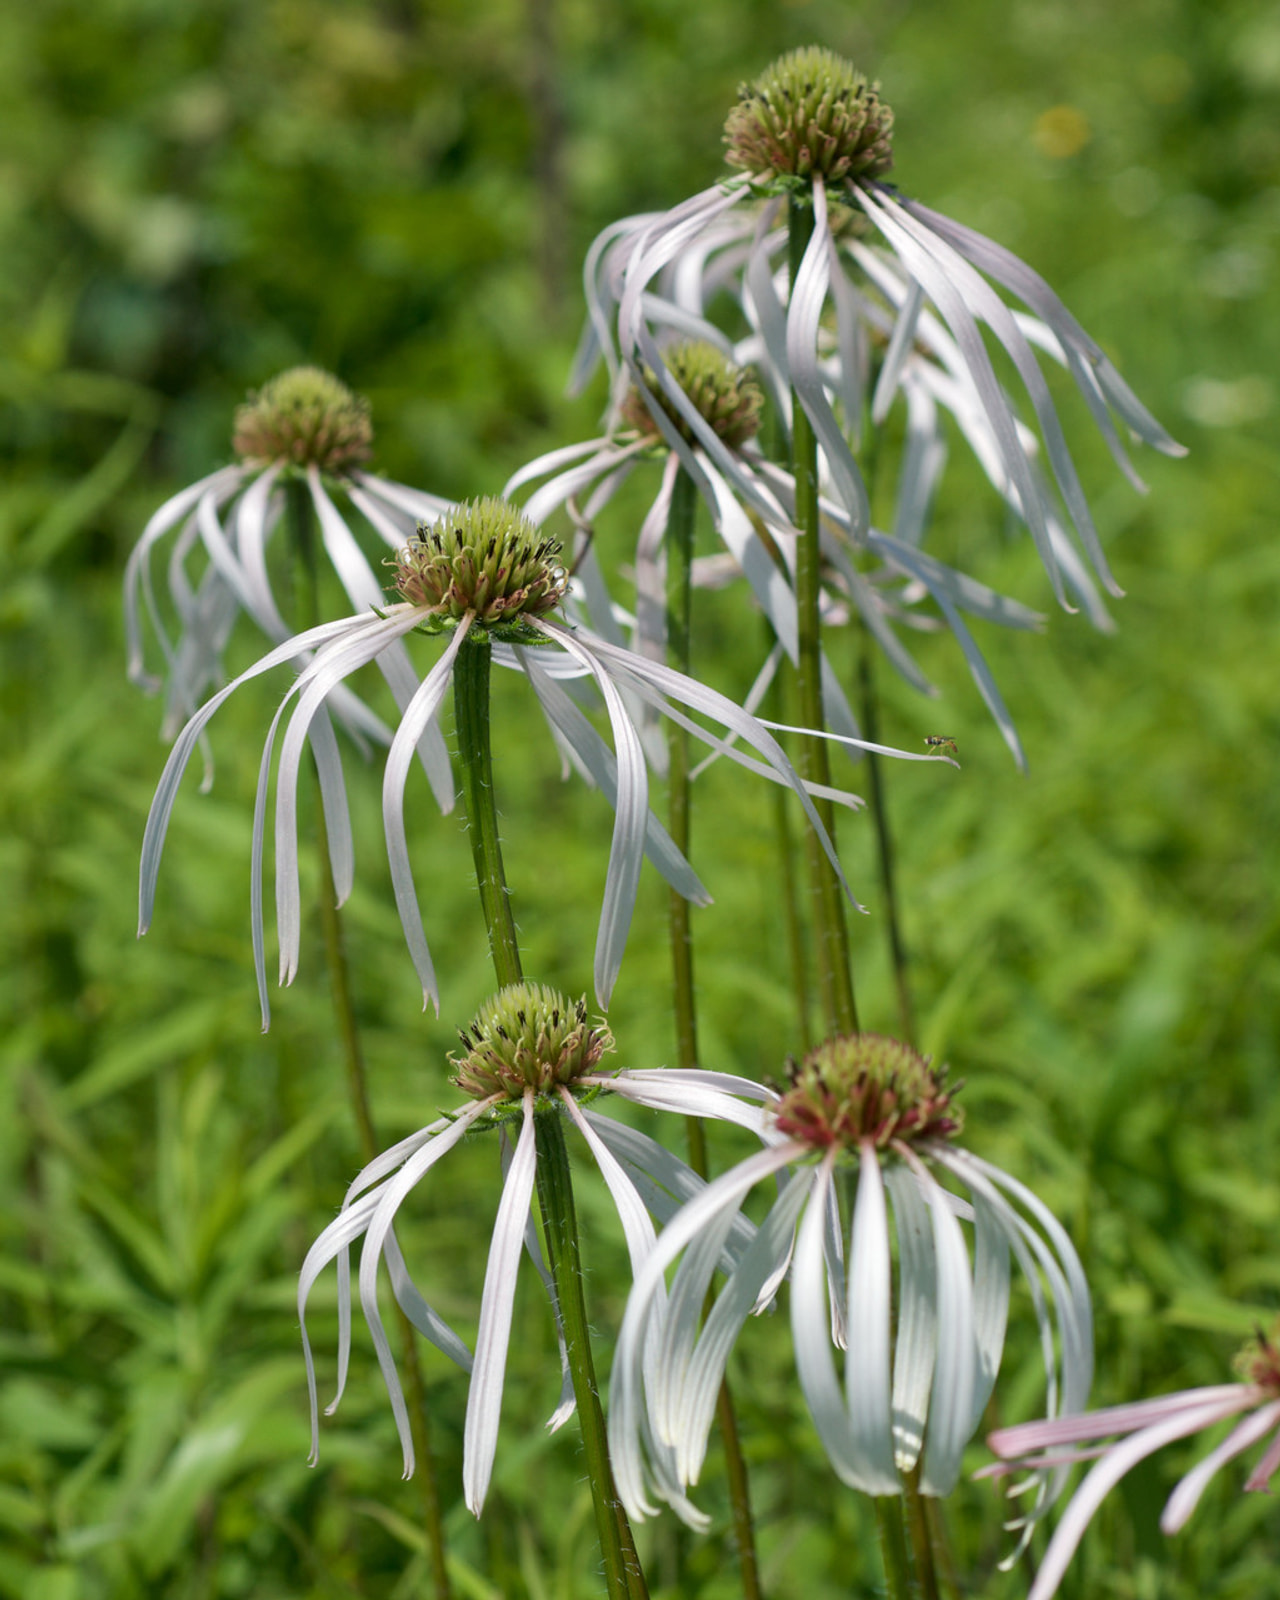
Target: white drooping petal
{"x":373,"y":1214}
{"x":951,"y":1401}
{"x":628,"y":1420}
{"x":808,"y":295}
{"x":916,"y":1345}
{"x":137,"y":572}
{"x":630,"y":812}
{"x":185,"y":744}
{"x":694,"y":1403}
{"x":484,"y":1397}
{"x":601,"y":767}
{"x":419,"y":713}
{"x":867,"y":1372}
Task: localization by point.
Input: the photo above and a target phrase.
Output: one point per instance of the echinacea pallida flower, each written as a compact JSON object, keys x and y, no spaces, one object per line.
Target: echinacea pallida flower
{"x":813,"y":129}
{"x":303,"y":428}
{"x":483,"y":577}
{"x":867,"y":1110}
{"x":530,"y":1053}
{"x":1139,"y":1430}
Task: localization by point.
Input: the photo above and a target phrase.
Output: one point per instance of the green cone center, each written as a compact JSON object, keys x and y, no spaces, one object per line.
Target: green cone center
{"x":528,"y":1036}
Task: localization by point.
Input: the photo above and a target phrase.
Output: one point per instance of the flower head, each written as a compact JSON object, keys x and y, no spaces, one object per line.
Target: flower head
{"x":305,"y":416}
{"x":725,"y":395}
{"x":484,"y":562}
{"x":810,"y":112}
{"x":530,"y":1053}
{"x":872,"y":1109}
{"x":486,"y":599}
{"x":898,"y":307}
{"x":303,"y":434}
{"x":1140,"y":1430}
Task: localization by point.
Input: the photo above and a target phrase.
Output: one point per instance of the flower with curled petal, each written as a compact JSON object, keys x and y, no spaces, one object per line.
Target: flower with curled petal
{"x":529,"y":1054}
{"x":890,"y":299}
{"x":913,"y":1390}
{"x":1139,"y":1430}
{"x":303,"y":431}
{"x":484,"y":578}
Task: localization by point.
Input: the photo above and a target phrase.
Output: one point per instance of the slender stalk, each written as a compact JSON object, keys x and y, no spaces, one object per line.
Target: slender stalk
{"x":914,"y":1509}
{"x":303,"y":533}
{"x":869,"y":708}
{"x":797,"y":957}
{"x":679,"y":800}
{"x":623,"y":1580}
{"x":835,"y":975}
{"x":623,"y":1575}
{"x":471,"y":707}
{"x":893,"y":1549}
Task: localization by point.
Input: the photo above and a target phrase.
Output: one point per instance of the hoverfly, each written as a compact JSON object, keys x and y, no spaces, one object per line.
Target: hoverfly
{"x":940,"y":742}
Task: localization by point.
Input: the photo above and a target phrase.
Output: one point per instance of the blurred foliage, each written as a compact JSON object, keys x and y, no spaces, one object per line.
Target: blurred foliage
{"x":190,"y":200}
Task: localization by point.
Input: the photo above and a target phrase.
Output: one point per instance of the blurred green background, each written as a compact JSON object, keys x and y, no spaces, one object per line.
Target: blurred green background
{"x":192,"y":198}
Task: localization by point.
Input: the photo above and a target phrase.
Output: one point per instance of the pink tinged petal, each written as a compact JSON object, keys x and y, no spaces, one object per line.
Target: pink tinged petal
{"x":1260,"y":1478}
{"x":552,"y":461}
{"x":389,"y":1200}
{"x":670,"y":1367}
{"x":1098,"y":1483}
{"x":916,"y":1345}
{"x":1049,"y":1432}
{"x":419,"y":713}
{"x":333,"y":1243}
{"x":837,"y":1284}
{"x":1186,"y":1497}
{"x":851,"y":345}
{"x":390,"y":523}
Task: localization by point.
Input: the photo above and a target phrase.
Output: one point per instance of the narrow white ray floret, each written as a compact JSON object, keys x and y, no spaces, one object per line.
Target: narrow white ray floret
{"x":909,"y":1400}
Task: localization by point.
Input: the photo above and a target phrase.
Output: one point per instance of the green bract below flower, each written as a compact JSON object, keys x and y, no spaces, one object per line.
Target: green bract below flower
{"x":303,"y":431}
{"x":529,"y":1054}
{"x":488,"y":578}
{"x":922,"y":1355}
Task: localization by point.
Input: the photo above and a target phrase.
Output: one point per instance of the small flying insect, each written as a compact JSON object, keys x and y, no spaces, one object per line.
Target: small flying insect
{"x":940,"y":742}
